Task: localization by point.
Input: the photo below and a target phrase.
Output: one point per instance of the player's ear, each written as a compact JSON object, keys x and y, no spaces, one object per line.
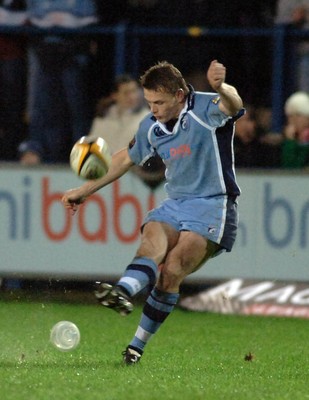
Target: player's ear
{"x":180,"y":94}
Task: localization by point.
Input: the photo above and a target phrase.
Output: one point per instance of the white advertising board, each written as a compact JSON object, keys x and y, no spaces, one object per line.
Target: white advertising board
{"x":39,"y":238}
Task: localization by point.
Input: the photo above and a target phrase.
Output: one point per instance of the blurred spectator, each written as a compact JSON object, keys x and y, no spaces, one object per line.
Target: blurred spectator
{"x":263,"y":117}
{"x":254,"y":145}
{"x":58,"y":102}
{"x":269,"y":142}
{"x":12,"y":80}
{"x":119,"y":114}
{"x":246,"y":142}
{"x":296,"y":14}
{"x":117,"y":120}
{"x":295,"y":146}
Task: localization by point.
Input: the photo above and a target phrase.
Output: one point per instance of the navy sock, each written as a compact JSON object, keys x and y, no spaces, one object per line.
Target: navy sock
{"x":157,"y":308}
{"x":139,"y":274}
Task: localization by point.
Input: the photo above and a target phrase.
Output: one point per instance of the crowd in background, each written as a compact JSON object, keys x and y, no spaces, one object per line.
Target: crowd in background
{"x":57,"y":88}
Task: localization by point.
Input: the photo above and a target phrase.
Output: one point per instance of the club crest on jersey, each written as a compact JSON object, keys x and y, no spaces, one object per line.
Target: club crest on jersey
{"x":184,"y":122}
{"x":211,"y":229}
{"x":158,"y":131}
{"x":216,"y":100}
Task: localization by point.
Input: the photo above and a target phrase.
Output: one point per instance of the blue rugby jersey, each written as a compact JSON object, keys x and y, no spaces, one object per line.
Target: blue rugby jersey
{"x":198,"y":153}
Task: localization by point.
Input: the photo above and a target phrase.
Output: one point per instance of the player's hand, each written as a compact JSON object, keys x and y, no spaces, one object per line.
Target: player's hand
{"x":216,"y":75}
{"x":73,"y":198}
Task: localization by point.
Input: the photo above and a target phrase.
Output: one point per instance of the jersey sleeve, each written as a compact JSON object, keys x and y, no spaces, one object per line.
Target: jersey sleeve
{"x":214,"y":116}
{"x":140,"y":148}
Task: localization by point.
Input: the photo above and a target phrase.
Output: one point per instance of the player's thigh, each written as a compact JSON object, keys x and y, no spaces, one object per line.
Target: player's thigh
{"x":158,"y":238}
{"x":191,"y":251}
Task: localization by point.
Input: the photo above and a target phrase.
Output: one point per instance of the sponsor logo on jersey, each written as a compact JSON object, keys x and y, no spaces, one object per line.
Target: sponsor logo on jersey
{"x":177,"y":152}
{"x":183,"y":150}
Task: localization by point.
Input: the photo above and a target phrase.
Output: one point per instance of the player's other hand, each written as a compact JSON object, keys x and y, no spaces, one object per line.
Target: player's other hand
{"x":72,"y":199}
{"x":216,"y":74}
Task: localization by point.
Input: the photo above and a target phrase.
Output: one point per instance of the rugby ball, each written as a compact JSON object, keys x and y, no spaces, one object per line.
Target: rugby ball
{"x":90,"y":158}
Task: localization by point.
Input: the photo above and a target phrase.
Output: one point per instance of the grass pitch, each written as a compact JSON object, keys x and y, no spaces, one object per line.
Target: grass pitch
{"x":193,"y":356}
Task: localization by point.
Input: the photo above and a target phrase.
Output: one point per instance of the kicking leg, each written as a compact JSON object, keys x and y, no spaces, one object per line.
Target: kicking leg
{"x":157,"y":239}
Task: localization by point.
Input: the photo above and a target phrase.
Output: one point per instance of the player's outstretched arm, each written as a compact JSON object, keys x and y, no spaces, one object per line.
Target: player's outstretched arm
{"x":230,"y":101}
{"x":121,"y":163}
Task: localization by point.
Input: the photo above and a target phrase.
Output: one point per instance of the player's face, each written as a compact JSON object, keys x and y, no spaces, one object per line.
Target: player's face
{"x":164,"y":106}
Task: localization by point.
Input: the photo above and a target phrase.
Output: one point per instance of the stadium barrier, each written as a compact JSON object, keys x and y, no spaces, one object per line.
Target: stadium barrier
{"x":39,"y":238}
{"x":243,"y":297}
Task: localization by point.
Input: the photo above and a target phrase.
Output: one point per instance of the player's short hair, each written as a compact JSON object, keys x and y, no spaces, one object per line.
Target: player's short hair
{"x":164,"y":77}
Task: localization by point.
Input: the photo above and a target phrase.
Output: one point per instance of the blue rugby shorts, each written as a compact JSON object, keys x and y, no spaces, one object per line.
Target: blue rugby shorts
{"x":215,"y":218}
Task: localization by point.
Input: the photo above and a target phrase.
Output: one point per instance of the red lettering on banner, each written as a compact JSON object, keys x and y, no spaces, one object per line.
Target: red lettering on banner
{"x":119,"y":202}
{"x":101,"y":233}
{"x":47,"y":201}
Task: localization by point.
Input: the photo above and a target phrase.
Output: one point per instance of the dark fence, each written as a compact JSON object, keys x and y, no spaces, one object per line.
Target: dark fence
{"x":128,"y":44}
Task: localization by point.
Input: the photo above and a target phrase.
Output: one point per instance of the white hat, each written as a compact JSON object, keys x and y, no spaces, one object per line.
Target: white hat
{"x":297,"y":103}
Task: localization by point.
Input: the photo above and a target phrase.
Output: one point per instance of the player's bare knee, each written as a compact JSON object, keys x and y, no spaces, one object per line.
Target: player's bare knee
{"x":170,"y":278}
